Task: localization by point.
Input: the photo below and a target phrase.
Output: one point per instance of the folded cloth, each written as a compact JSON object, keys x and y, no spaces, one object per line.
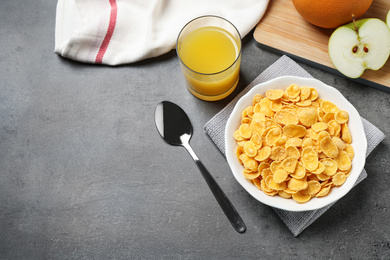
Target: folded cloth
{"x":215,"y":128}
{"x":114,"y":32}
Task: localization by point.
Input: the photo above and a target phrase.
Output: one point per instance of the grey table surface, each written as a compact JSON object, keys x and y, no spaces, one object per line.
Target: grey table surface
{"x":85,"y":175}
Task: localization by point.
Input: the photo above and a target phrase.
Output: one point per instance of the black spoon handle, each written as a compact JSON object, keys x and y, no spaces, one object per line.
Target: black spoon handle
{"x":227,"y":207}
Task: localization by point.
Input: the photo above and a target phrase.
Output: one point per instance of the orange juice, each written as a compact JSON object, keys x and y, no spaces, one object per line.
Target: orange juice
{"x":208,"y":50}
{"x":210,"y":59}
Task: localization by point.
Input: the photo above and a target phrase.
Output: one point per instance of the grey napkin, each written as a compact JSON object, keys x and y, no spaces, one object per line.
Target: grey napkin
{"x":215,"y":128}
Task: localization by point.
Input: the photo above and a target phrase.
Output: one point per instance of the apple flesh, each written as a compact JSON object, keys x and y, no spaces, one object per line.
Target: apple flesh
{"x":388,"y":19}
{"x":360,"y":45}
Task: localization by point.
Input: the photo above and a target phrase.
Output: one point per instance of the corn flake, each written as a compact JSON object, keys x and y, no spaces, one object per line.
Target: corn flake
{"x":257,"y":183}
{"x":343,"y":161}
{"x":280,"y":176}
{"x":256,"y":99}
{"x":274,"y":94}
{"x":328,"y":106}
{"x":293,"y":151}
{"x":293,"y":91}
{"x":328,"y":147}
{"x":294,"y":130}
{"x":265,"y":107}
{"x":330,"y":166}
{"x":263,"y":153}
{"x":342,"y":117}
{"x":297,"y":184}
{"x":289,"y":164}
{"x":313,"y":187}
{"x":286,"y":117}
{"x":346,"y":134}
{"x":305,"y":93}
{"x":294,"y":141}
{"x":284,"y":194}
{"x":250,"y":149}
{"x":273,"y":135}
{"x":266,"y":190}
{"x":308,"y":116}
{"x":269,"y":181}
{"x":250,"y":175}
{"x":309,"y":158}
{"x":336,"y":127}
{"x":339,"y":179}
{"x":328,"y":117}
{"x":320,"y":126}
{"x":313,"y":94}
{"x":303,"y":103}
{"x":278,"y":153}
{"x":245,"y":131}
{"x":300,"y":197}
{"x":349,"y":150}
{"x":276,"y":105}
{"x":323,"y":192}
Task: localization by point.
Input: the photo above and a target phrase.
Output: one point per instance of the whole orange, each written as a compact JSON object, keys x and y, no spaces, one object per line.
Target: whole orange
{"x":331,"y":13}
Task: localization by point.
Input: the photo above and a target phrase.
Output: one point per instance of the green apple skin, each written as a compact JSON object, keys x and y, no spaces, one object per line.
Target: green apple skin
{"x":372,"y":35}
{"x":388,"y":19}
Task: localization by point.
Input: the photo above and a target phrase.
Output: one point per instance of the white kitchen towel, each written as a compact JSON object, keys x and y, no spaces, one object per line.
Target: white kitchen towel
{"x":115,"y":32}
{"x":215,"y":128}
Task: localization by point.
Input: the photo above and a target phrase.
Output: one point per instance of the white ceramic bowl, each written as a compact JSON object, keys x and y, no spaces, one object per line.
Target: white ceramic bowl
{"x":359,"y":143}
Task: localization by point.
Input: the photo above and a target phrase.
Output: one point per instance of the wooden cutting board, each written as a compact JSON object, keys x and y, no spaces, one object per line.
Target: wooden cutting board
{"x":284,"y":31}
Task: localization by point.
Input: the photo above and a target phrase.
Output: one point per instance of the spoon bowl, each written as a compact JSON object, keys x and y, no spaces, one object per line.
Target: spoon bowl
{"x":172,"y":122}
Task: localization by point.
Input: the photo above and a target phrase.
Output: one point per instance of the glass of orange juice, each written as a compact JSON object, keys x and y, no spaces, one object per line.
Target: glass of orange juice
{"x":209,"y":50}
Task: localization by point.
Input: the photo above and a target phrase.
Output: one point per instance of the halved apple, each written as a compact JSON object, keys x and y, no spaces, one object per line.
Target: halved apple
{"x":360,"y":45}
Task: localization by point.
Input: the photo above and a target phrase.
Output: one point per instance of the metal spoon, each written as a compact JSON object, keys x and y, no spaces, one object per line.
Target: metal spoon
{"x":176,"y":129}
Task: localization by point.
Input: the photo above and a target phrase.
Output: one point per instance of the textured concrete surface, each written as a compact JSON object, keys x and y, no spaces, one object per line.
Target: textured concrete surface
{"x":85,"y":175}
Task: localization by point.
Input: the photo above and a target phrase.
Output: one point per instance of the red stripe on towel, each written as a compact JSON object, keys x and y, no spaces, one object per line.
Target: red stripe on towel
{"x":110,"y":32}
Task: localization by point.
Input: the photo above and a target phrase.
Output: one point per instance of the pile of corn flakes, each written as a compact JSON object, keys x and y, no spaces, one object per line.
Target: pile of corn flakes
{"x":294,"y":144}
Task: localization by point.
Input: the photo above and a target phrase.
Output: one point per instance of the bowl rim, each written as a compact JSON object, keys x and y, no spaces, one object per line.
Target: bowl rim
{"x":331,"y":94}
